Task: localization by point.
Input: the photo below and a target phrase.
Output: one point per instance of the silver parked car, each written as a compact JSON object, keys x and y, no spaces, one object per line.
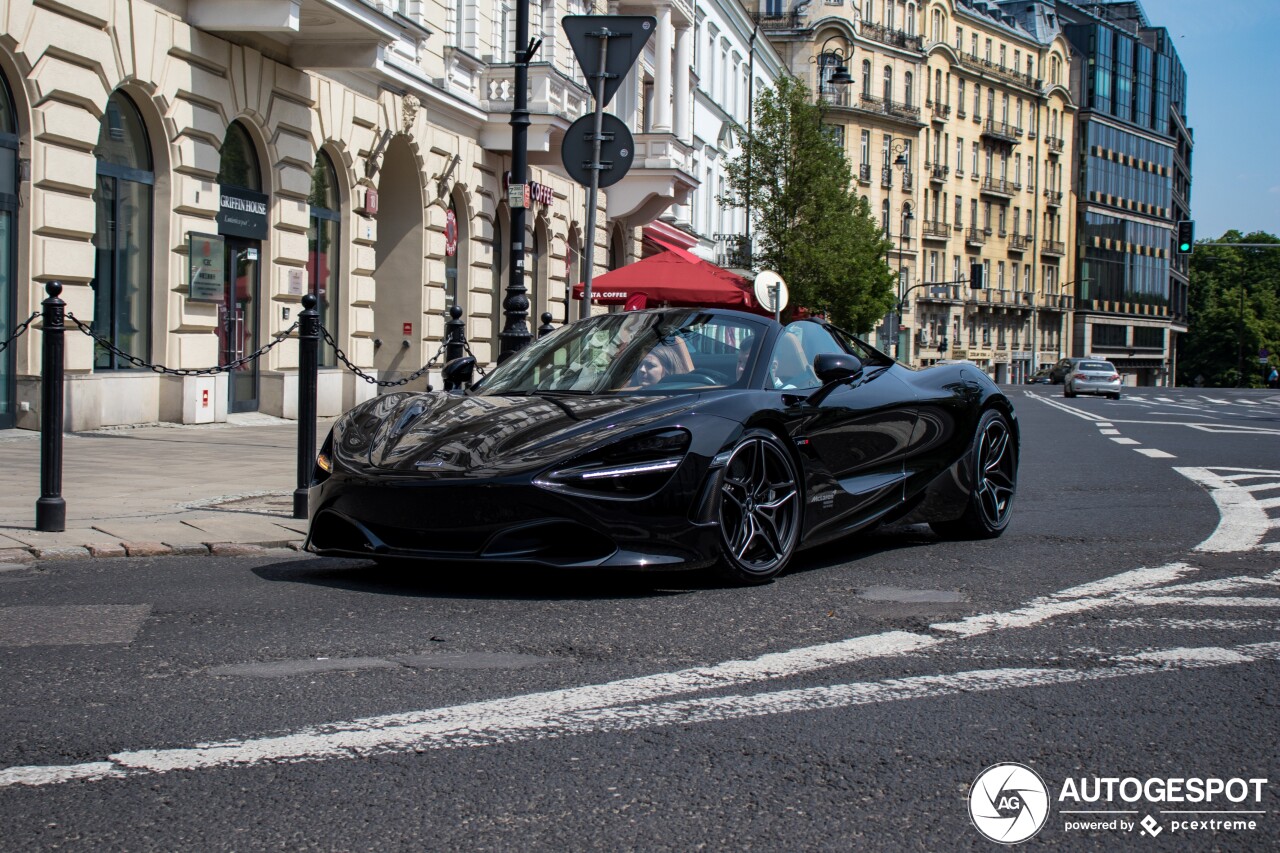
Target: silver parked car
{"x":1089,"y":376}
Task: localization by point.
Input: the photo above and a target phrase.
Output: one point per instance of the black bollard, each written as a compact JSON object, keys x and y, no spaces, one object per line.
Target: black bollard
{"x":546,"y":328}
{"x":308,"y":363}
{"x":51,"y":509}
{"x":455,"y":341}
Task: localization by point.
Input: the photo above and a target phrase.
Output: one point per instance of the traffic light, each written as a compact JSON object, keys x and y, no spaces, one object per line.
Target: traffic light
{"x":975,"y":276}
{"x":1186,"y":236}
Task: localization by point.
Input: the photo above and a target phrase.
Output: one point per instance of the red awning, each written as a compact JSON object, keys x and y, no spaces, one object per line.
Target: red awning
{"x":674,"y":277}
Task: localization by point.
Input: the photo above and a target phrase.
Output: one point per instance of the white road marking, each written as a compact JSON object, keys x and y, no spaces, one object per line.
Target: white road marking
{"x":1125,"y":441}
{"x":1155,"y":454}
{"x":1109,"y":431}
{"x":1216,"y":400}
{"x":1206,"y":601}
{"x":1165,"y":399}
{"x":1101,"y":424}
{"x":514,"y":725}
{"x":1246,"y":403}
{"x":1193,"y":624}
{"x":1243,"y":521}
{"x":1216,"y":428}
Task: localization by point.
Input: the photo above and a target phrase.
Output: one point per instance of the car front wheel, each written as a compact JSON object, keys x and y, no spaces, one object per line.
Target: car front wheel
{"x":995,"y":481}
{"x":760,"y":509}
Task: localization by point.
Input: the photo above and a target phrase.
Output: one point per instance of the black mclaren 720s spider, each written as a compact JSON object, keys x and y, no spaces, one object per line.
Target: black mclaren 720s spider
{"x":666,"y":438}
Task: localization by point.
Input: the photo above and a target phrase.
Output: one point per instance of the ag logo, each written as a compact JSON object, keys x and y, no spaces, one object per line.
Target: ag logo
{"x":1008,"y":802}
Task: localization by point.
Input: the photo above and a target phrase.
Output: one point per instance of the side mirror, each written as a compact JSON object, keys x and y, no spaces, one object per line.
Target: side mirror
{"x":457,"y":372}
{"x":836,"y":367}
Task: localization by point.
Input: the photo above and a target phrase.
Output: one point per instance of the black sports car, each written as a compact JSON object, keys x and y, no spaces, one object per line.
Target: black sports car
{"x":665,"y":438}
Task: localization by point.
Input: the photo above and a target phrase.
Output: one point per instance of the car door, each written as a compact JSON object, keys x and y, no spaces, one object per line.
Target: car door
{"x":858,"y":435}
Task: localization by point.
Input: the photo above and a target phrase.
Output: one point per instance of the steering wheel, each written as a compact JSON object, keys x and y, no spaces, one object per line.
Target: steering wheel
{"x":706,"y":377}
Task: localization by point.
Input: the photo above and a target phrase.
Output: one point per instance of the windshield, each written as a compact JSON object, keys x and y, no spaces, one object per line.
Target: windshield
{"x":634,"y":353}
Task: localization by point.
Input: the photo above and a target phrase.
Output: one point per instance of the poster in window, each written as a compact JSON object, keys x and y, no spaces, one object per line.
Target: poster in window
{"x":208,"y":279}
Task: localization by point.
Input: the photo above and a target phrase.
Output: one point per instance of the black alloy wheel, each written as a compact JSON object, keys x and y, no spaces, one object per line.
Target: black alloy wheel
{"x":759,"y":509}
{"x":995,"y":481}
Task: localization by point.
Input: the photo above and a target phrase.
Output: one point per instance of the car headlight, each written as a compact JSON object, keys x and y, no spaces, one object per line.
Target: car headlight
{"x":324,"y":460}
{"x":634,"y":467}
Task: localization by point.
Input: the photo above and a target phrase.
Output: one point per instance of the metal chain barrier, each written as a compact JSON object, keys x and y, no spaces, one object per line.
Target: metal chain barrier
{"x":381,"y":383}
{"x":466,"y":346}
{"x":22,"y":327}
{"x":182,"y":371}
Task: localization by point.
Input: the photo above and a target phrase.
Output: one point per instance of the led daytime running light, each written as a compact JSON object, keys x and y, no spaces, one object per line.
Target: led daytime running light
{"x":628,"y":470}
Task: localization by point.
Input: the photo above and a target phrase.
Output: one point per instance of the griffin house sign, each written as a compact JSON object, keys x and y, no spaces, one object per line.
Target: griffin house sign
{"x":242,"y":213}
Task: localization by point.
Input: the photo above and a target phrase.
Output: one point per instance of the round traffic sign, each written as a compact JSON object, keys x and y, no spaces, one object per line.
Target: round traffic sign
{"x":771,"y":291}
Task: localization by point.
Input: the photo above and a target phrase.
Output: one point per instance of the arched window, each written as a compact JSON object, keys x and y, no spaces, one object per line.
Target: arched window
{"x":888,"y":83}
{"x":239,"y":164}
{"x":124,"y":196}
{"x":8,"y":247}
{"x":536,"y":266}
{"x":866,"y":78}
{"x":323,"y":257}
{"x":451,"y":255}
{"x":498,"y":280}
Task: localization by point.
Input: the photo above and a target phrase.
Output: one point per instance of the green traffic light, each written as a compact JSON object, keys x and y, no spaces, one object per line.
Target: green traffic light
{"x":1184,"y":247}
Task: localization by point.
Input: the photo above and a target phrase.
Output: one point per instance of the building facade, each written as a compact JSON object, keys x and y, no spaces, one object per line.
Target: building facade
{"x":189,"y":169}
{"x":1134,"y":185}
{"x":959,"y":124}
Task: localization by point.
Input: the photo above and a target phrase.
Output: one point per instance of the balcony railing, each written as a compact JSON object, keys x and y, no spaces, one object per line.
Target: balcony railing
{"x":932,"y":230}
{"x":1053,"y":247}
{"x":894,"y":38}
{"x":790,"y":21}
{"x":1001,"y":130}
{"x":977,"y":236}
{"x":941,"y":112}
{"x":733,"y":251}
{"x":908,"y":182}
{"x":1019,"y":242}
{"x":836,"y":96}
{"x":997,"y":186}
{"x":1055,"y":144}
{"x":986,"y":66}
{"x":864,"y":173}
{"x":884,"y":106}
{"x":938,"y":174}
{"x":1053,"y":197}
{"x":886,"y":176}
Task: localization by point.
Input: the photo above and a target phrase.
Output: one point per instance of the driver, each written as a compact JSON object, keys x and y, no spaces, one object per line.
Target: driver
{"x":662,"y":361}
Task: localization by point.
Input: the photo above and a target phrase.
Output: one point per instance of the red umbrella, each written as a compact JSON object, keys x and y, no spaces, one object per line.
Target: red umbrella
{"x":673,"y":277}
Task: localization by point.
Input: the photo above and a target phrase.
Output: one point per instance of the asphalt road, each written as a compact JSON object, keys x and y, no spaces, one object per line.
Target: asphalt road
{"x":1124,"y":626}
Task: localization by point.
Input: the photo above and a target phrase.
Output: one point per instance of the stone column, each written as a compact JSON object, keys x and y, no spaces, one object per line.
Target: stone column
{"x":684,"y":59}
{"x":662,"y":72}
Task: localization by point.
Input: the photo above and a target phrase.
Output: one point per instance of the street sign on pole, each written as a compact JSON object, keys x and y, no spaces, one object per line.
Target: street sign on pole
{"x":616,"y":149}
{"x":590,"y":36}
{"x":627,"y":35}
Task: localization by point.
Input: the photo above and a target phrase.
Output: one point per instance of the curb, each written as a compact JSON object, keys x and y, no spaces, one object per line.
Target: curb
{"x":11,"y":556}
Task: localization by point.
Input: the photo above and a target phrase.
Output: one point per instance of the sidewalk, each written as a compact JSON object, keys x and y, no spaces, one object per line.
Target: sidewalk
{"x":157,"y":490}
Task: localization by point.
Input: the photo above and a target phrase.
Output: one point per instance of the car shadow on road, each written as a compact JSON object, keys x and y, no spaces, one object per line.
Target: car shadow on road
{"x":490,"y":581}
{"x":539,"y":583}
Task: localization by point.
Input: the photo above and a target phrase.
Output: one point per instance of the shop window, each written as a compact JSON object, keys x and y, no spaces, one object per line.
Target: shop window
{"x":123,"y":241}
{"x":323,"y":251}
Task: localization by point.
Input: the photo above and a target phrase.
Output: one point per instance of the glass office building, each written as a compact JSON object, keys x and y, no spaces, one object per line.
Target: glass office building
{"x":1132,"y":184}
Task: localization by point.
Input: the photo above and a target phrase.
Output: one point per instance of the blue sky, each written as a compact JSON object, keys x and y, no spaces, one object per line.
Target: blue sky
{"x":1231,"y":50}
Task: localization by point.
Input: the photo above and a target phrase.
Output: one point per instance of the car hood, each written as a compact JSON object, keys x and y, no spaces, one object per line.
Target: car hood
{"x":439,"y":434}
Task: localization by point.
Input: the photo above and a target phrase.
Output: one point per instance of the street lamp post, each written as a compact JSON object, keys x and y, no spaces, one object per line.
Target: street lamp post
{"x":896,"y":330}
{"x":834,"y":58}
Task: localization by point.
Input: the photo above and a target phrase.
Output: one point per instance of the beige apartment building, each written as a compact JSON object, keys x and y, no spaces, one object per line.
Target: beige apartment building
{"x":189,"y":169}
{"x":958,"y":124}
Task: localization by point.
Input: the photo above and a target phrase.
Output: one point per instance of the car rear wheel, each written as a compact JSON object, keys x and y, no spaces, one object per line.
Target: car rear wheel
{"x":1068,"y":391}
{"x":995,"y":480}
{"x":759,"y":511}
{"x":1115,"y":396}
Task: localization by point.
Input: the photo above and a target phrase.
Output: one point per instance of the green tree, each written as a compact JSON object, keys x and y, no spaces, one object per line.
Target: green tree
{"x":1234,"y":308}
{"x":809,"y":225}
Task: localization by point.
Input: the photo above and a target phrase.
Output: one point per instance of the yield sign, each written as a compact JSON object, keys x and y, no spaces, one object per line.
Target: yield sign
{"x":627,"y":35}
